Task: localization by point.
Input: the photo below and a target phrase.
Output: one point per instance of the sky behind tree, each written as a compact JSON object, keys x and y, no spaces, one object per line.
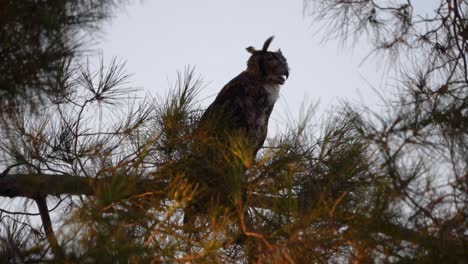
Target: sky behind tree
{"x":158,"y":38}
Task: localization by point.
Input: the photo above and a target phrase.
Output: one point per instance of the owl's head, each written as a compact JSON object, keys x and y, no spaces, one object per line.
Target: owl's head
{"x":270,"y":65}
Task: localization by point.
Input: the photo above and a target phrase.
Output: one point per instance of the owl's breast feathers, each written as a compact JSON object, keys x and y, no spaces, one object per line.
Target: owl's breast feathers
{"x":243,"y":105}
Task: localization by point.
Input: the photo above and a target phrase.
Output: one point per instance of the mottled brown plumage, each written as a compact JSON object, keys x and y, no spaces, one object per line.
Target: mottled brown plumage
{"x":241,"y":109}
{"x":246,"y":102}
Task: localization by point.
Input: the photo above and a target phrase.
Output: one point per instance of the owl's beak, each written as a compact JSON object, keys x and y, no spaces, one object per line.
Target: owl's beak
{"x":286,"y":75}
{"x":280,"y":79}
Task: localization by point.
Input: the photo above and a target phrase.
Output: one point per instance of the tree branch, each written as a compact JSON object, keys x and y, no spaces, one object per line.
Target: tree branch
{"x":48,"y":229}
{"x":42,"y":185}
{"x":35,"y":185}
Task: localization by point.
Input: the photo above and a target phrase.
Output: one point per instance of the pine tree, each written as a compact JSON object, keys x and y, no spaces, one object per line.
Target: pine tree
{"x":366,"y":187}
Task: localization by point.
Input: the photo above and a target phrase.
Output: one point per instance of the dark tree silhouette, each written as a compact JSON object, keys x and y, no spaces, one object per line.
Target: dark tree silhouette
{"x":39,"y":41}
{"x":367,"y":187}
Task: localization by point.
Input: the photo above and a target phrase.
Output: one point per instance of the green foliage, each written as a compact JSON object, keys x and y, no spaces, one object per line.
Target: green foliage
{"x":39,"y":41}
{"x":364,"y":187}
{"x":20,"y":242}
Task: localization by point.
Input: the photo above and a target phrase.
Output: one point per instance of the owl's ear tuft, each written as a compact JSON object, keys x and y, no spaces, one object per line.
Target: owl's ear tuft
{"x":279,"y":51}
{"x":251,"y":50}
{"x":267,"y":43}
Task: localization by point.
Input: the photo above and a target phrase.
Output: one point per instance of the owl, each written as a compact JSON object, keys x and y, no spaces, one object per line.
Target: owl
{"x":242,"y":108}
{"x":245,"y":103}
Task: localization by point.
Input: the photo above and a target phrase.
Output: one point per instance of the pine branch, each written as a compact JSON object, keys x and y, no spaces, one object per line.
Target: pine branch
{"x":48,"y":229}
{"x":42,"y":185}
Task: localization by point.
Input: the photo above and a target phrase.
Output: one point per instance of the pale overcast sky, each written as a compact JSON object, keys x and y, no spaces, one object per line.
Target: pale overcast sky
{"x":158,"y":38}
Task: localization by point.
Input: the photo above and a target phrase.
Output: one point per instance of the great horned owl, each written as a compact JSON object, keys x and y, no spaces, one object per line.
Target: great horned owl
{"x":245,"y":103}
{"x":242,"y":108}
